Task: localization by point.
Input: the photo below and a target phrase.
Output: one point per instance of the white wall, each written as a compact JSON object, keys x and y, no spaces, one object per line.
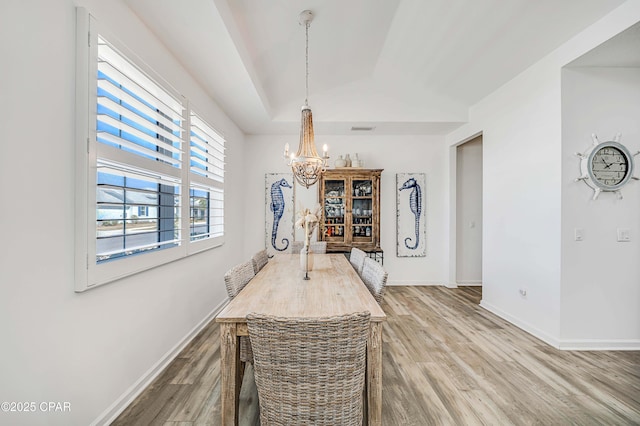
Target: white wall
{"x":600,"y":276}
{"x":521,"y":206}
{"x":523,"y":181}
{"x":394,"y":154}
{"x":87,"y":349}
{"x":469,"y":213}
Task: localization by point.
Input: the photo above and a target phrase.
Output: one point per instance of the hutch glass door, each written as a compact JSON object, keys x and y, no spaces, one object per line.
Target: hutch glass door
{"x":334,"y":210}
{"x":362,"y":211}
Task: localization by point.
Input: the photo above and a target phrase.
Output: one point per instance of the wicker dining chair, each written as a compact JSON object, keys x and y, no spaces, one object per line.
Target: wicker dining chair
{"x":259,"y":260}
{"x":235,"y":280}
{"x":375,"y":278}
{"x":310,"y":371}
{"x":296,"y":246}
{"x":318,"y":247}
{"x":356,"y":258}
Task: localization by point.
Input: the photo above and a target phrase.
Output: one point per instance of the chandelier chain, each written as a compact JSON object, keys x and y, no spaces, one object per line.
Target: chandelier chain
{"x":306,"y":96}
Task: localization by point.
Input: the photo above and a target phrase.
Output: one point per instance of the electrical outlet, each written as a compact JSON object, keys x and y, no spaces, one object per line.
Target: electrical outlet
{"x":624,"y":235}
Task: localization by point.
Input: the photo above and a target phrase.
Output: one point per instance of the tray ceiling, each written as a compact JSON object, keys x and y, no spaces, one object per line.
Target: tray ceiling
{"x":401,"y":66}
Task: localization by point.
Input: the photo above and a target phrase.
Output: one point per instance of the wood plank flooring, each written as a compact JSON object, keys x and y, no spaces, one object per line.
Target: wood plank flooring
{"x":446,"y":361}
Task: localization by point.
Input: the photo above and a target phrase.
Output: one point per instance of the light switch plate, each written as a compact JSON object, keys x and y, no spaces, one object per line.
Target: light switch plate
{"x":578,"y":234}
{"x":624,"y":235}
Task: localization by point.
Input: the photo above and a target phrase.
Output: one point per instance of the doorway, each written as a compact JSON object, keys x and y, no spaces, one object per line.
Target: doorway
{"x":468,"y":270}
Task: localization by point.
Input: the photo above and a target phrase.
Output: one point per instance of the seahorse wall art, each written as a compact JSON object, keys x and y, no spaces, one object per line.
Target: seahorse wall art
{"x":279,"y":211}
{"x":415,"y":204}
{"x":411,"y":221}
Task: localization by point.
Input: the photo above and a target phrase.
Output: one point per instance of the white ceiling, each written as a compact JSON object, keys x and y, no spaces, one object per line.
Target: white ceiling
{"x":623,"y":50}
{"x":401,"y":66}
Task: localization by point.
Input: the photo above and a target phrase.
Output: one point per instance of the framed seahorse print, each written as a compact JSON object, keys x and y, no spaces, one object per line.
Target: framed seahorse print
{"x":411,"y":222}
{"x":279,"y":212}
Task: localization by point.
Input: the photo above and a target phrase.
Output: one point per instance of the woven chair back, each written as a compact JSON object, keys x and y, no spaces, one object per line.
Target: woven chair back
{"x":310,"y":371}
{"x":235,"y":280}
{"x":319,"y":247}
{"x":259,"y":260}
{"x":356,"y":258}
{"x":375,"y":278}
{"x":237,"y":277}
{"x":296,"y":246}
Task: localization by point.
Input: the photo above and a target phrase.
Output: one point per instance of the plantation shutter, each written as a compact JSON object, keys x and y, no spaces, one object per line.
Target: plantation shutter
{"x":206,"y":156}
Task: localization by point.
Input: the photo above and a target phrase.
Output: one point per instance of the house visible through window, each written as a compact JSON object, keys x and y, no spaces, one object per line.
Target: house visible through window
{"x":134,"y":215}
{"x":200,"y":218}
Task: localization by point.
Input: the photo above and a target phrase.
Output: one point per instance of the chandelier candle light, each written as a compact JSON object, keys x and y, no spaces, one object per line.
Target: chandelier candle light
{"x":306,"y":164}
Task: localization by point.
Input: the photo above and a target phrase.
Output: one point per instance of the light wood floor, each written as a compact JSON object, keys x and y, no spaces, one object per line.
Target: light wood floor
{"x":446,"y":362}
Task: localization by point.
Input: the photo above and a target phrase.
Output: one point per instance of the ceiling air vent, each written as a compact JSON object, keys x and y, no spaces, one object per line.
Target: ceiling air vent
{"x":362,"y":128}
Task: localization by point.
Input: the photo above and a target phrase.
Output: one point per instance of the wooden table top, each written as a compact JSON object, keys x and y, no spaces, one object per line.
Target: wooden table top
{"x":279,"y":289}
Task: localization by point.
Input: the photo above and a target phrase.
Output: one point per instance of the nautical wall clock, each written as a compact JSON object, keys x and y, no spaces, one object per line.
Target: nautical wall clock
{"x":606,"y":166}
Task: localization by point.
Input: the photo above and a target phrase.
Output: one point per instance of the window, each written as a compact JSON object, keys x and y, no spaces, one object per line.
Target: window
{"x":138,"y":135}
{"x":206,"y":154}
{"x":150,"y":175}
{"x":134,"y":215}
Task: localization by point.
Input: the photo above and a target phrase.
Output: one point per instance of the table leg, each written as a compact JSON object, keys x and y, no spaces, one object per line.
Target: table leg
{"x":230,"y":372}
{"x":365,"y":404}
{"x":374,"y":375}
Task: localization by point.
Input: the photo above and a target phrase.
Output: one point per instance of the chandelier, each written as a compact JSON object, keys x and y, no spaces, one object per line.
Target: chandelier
{"x":306,"y":164}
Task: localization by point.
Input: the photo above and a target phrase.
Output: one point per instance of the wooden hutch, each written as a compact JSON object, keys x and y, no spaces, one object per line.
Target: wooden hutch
{"x":350,"y":200}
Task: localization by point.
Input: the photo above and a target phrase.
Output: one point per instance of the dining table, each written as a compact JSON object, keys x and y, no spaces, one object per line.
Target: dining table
{"x":279,"y":289}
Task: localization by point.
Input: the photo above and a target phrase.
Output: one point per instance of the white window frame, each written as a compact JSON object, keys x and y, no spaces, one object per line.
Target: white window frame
{"x":88,"y":273}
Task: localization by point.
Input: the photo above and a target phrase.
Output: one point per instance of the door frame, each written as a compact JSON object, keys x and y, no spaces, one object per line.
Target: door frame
{"x":453,"y":210}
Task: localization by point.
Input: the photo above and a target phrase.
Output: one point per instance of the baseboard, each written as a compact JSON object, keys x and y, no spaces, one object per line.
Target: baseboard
{"x":545,"y":337}
{"x":567,"y":344}
{"x":111,"y":413}
{"x":418,"y":282}
{"x":414,"y":282}
{"x":469,"y":283}
{"x":600,"y":345}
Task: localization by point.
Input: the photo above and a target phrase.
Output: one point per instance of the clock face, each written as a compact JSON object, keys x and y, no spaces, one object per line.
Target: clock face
{"x":609,"y":166}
